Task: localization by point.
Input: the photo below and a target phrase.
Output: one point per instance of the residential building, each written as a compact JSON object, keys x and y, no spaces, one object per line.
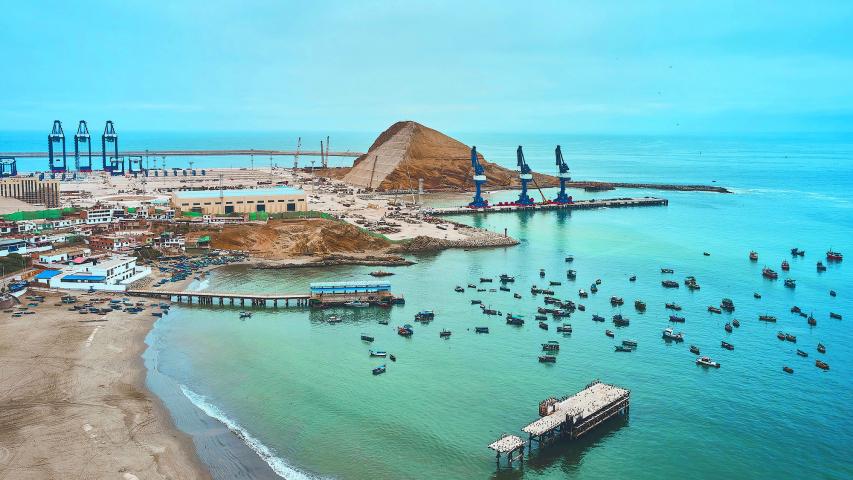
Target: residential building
{"x":31,"y":190}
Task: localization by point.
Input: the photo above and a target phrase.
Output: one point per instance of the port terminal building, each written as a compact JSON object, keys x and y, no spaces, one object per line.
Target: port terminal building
{"x":226,"y":202}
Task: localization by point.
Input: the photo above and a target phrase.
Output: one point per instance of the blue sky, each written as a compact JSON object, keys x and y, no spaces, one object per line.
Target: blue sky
{"x":587,"y":67}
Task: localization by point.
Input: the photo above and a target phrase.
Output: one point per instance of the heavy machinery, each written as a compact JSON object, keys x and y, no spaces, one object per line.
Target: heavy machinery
{"x":526,"y":176}
{"x":110,"y":136}
{"x":479,"y":180}
{"x":8,"y":167}
{"x":56,"y":136}
{"x":82,"y":136}
{"x":564,"y":176}
{"x":116,"y":166}
{"x":134,"y":165}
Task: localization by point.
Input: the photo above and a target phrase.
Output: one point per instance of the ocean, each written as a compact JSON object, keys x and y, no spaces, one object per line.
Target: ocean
{"x":287,"y":394}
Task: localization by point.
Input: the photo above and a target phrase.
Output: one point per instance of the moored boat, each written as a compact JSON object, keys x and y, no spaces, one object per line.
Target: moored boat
{"x":767,"y":318}
{"x":541,"y":272}
{"x":514,"y":320}
{"x":802,"y":353}
{"x":821,"y":365}
{"x":790,"y":338}
{"x":727,"y":345}
{"x":377,"y":353}
{"x":834,"y":256}
{"x":622,"y":348}
{"x":790,"y":283}
{"x":673,"y":306}
{"x":551,"y":345}
{"x":444,"y":334}
{"x":694,"y":349}
{"x":669,"y":284}
{"x":366,"y":337}
{"x":614,"y":300}
{"x":707,"y":362}
{"x":735,"y":322}
{"x":485,"y":280}
{"x":669,"y":334}
{"x":797,"y":252}
{"x":571,"y":274}
{"x":597,"y":318}
{"x":620,"y":321}
{"x":787,"y":369}
{"x":459,"y":289}
{"x":356,"y":304}
{"x":780,"y":335}
{"x":785,"y":265}
{"x":728,"y":305}
{"x":582,"y":293}
{"x":629,"y":343}
{"x":676,"y":319}
{"x":768,"y":272}
{"x":541,"y":317}
{"x":640,"y":305}
{"x":753,"y":255}
{"x":609,"y":333}
{"x":821,"y":348}
{"x":564,"y":328}
{"x":554,"y":283}
{"x":379,"y":370}
{"x":570,"y":258}
{"x":516,"y":295}
{"x":405,"y":331}
{"x":820,"y":266}
{"x":506,"y":278}
{"x":481,"y":329}
{"x":832,"y":293}
{"x":547,"y":359}
{"x":756,"y":295}
{"x":834,"y":315}
{"x":714,"y":309}
{"x":380,"y":273}
{"x":543,"y":325}
{"x":632,"y":278}
{"x":503,"y":288}
{"x":425,"y":316}
{"x":728,"y":327}
{"x":666,"y":270}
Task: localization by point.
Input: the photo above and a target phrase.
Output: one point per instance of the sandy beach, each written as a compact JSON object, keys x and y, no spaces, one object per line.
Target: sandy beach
{"x":73,"y":402}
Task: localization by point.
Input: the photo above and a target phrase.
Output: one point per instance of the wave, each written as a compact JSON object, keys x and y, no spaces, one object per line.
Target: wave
{"x":277,"y":464}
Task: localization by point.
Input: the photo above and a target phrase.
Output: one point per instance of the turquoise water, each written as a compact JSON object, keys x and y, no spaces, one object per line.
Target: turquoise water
{"x":300,"y":390}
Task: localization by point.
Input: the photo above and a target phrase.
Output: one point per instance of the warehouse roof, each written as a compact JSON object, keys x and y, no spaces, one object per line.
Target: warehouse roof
{"x":239,"y":193}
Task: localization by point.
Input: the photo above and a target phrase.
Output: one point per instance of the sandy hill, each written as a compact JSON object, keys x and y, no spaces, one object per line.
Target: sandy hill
{"x":408,"y":151}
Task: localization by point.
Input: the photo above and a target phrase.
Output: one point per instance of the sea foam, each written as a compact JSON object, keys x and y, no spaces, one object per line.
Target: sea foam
{"x":277,"y":464}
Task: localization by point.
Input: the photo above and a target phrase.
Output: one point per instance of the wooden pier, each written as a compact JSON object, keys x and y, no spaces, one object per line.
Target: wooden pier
{"x":569,"y":418}
{"x":228,"y":299}
{"x":578,"y":205}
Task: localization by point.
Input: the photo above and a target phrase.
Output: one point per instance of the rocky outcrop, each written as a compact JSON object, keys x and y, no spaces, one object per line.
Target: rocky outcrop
{"x":431,"y":244}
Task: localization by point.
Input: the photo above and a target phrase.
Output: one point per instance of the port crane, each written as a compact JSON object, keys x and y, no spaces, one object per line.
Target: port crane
{"x":110,"y":136}
{"x":8,"y":167}
{"x":296,"y":156}
{"x":564,"y":176}
{"x":526,"y":177}
{"x":82,"y":136}
{"x":116,"y":166}
{"x":56,"y":136}
{"x":135,"y":166}
{"x":479,"y":180}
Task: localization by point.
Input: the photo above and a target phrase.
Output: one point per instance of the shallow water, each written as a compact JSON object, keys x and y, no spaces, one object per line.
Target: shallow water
{"x":303,"y":389}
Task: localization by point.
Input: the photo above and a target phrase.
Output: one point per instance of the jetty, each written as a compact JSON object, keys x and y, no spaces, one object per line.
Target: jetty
{"x":576,"y":205}
{"x":570,"y":418}
{"x":205,"y":153}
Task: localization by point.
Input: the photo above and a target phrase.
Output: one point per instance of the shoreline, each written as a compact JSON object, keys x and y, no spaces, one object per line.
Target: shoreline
{"x":85,"y":407}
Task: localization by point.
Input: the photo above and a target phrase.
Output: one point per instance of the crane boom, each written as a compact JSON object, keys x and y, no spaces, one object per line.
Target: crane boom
{"x":479,"y":180}
{"x":564,"y":176}
{"x":82,"y":136}
{"x":525,"y":176}
{"x":56,"y":136}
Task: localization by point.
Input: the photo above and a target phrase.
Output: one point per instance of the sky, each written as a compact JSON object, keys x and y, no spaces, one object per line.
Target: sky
{"x":614,"y":67}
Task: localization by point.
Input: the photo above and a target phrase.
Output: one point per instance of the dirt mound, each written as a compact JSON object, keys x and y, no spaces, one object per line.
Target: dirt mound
{"x":282,"y":239}
{"x":408,"y":151}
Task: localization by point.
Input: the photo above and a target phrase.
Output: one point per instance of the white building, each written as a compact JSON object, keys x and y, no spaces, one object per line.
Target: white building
{"x":103,"y":215}
{"x":114,"y":274}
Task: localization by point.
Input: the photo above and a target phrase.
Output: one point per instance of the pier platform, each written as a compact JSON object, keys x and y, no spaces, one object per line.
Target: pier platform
{"x":577,"y":205}
{"x":227,"y":299}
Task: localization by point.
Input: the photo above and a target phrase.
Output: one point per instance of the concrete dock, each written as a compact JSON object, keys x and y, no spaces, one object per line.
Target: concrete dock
{"x":577,"y":205}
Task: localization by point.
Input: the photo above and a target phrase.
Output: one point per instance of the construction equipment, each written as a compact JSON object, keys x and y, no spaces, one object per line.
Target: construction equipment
{"x":326,"y":154}
{"x":479,"y":180}
{"x":8,"y":167}
{"x":110,"y":136}
{"x":82,"y":136}
{"x":296,"y":156}
{"x":56,"y":136}
{"x":116,"y":166}
{"x":564,"y":176}
{"x":134,"y":165}
{"x":526,"y":176}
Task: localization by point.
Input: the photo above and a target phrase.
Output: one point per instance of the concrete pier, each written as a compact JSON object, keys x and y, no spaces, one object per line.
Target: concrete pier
{"x":578,"y":205}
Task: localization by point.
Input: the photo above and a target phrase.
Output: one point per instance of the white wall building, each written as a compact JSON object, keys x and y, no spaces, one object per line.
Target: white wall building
{"x":114,"y":274}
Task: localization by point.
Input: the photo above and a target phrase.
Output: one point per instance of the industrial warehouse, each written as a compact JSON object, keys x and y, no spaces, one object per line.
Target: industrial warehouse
{"x":217,"y":202}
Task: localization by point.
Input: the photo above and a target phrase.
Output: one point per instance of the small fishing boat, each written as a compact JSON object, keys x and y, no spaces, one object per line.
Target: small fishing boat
{"x":392,"y":357}
{"x":787,"y":369}
{"x":444,"y":334}
{"x":380,"y":273}
{"x":768,"y":272}
{"x":629,"y":343}
{"x":728,"y":327}
{"x":356,"y":304}
{"x":377,"y":353}
{"x":785,"y":265}
{"x":790,"y":283}
{"x":691,"y":283}
{"x":623,"y":348}
{"x":366,"y":337}
{"x":582,"y":293}
{"x":714,"y":309}
{"x":795,"y":309}
{"x":673,"y":306}
{"x":547,"y":359}
{"x":504,"y":288}
{"x":564,"y":328}
{"x":728,"y":305}
{"x":667,"y":270}
{"x":756,"y":295}
{"x":736,"y":323}
{"x":767,"y":318}
{"x":485,"y":280}
{"x":506,"y":278}
{"x":571,"y":274}
{"x":780,"y":336}
{"x":727,"y":345}
{"x":597,"y":318}
{"x":790,"y":338}
{"x":668,"y":334}
{"x":554,"y":283}
{"x":424,"y":315}
{"x":245,"y":314}
{"x":609,"y":333}
{"x":614,"y":300}
{"x":541,"y":317}
{"x":459,"y":289}
{"x":581,"y":307}
{"x":632,"y":278}
{"x":405,"y":331}
{"x":802,"y":353}
{"x":379,"y":370}
{"x":570,"y":259}
{"x":383,"y":321}
{"x":753,"y":255}
{"x":620,"y":321}
{"x":513,"y":320}
{"x":832,"y":293}
{"x":821,"y":348}
{"x":516,"y":295}
{"x":543,"y":325}
{"x":593,"y":288}
{"x":694,"y":349}
{"x":476,"y":302}
{"x":707,"y":254}
{"x":481,"y":329}
{"x":676,"y":319}
{"x":541,"y":272}
{"x":669,"y":284}
{"x":821,"y":365}
{"x":471,"y":285}
{"x":820,"y":266}
{"x":834,"y":256}
{"x":640,"y":305}
{"x":797,"y":252}
{"x":811,"y":321}
{"x":834,"y":315}
{"x":551,"y":345}
{"x":707,"y":362}
{"x":598,"y":281}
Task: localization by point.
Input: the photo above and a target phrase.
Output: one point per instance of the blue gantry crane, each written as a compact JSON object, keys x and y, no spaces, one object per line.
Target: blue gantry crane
{"x":526,"y":176}
{"x":564,"y":176}
{"x":82,"y":136}
{"x":479,"y":180}
{"x":134,"y":165}
{"x":110,"y":136}
{"x":8,"y":167}
{"x":116,"y":166}
{"x":56,"y":136}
